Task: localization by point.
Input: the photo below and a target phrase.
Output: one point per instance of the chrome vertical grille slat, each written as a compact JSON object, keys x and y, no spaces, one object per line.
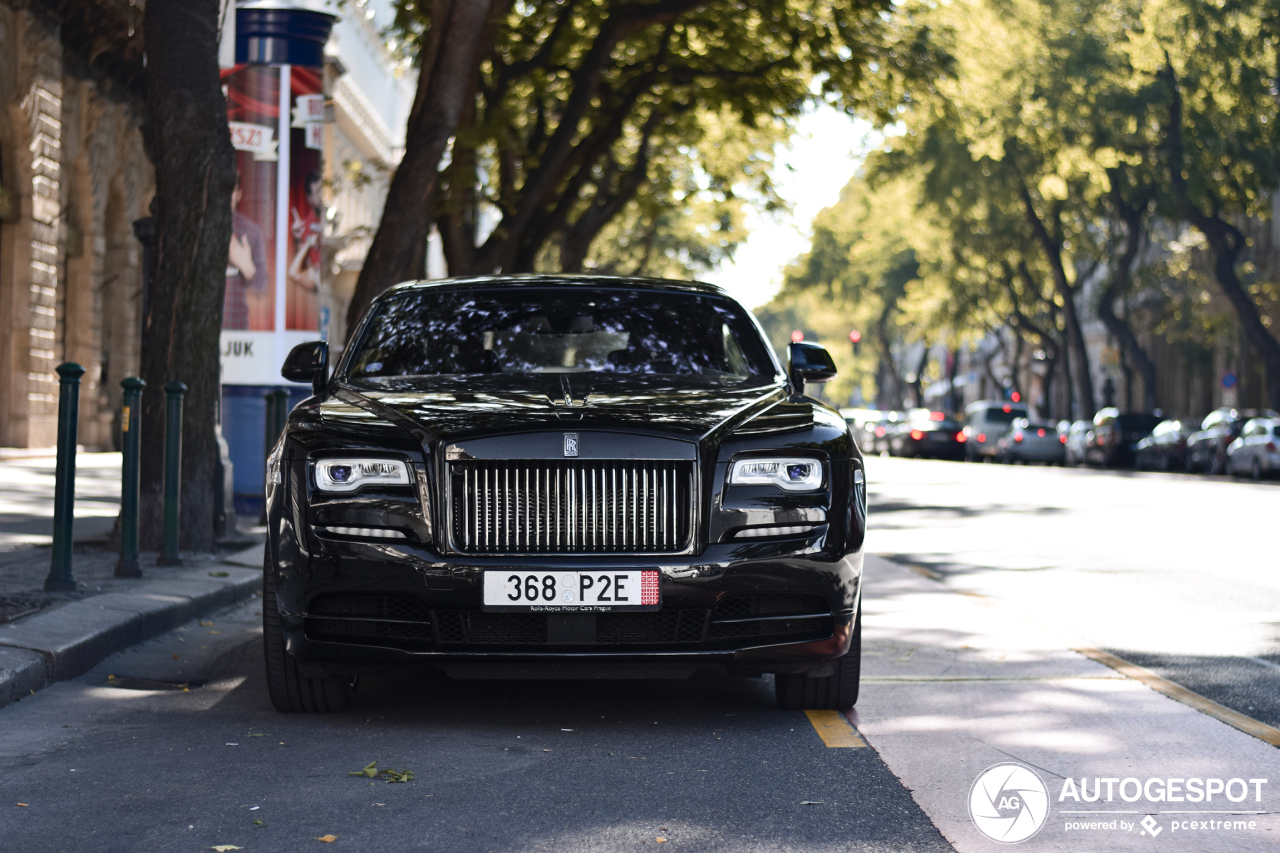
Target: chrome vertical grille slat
{"x":574,"y":506}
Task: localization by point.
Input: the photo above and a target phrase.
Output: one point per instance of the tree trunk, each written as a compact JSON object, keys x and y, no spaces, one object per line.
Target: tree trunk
{"x":399,"y":248}
{"x":189,"y":143}
{"x":917,"y":384}
{"x":889,"y":384}
{"x":1077,"y":352}
{"x":1131,"y":351}
{"x":1226,"y":242}
{"x":1047,"y":340}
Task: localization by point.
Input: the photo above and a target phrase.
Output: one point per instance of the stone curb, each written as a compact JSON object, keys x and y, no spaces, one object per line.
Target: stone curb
{"x":69,"y":641}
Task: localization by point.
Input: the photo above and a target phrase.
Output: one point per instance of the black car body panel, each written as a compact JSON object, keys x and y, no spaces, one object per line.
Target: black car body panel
{"x":385,"y":576}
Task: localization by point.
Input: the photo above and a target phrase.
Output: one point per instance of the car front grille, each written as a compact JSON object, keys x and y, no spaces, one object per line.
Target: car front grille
{"x":571,"y":507}
{"x":407,"y":623}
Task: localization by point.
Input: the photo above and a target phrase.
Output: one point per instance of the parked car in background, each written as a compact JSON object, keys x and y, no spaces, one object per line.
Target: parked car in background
{"x":1165,"y":449}
{"x":1207,"y":446}
{"x":985,"y":423}
{"x":1077,"y":438}
{"x":926,"y":434}
{"x":862,"y":424}
{"x":878,"y":432}
{"x":1032,"y":441}
{"x":1257,"y":450}
{"x":1115,"y":436}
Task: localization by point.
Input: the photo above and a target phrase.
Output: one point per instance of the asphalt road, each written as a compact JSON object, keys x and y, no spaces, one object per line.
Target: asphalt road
{"x":1177,"y":573}
{"x":707,"y":763}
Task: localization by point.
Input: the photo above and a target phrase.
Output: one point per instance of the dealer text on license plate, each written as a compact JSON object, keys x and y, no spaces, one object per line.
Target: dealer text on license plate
{"x":560,"y":591}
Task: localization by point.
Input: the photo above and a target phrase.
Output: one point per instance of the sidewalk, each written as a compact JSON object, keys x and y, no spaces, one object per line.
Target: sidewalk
{"x":49,"y":637}
{"x":26,"y":498}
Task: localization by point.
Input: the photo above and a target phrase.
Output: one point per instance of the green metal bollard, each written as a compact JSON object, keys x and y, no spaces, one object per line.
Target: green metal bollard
{"x":172,"y":473}
{"x":64,"y":489}
{"x":131,"y":429}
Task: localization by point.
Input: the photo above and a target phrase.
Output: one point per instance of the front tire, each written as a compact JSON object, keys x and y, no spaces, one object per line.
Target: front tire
{"x":290,"y":690}
{"x":835,"y":692}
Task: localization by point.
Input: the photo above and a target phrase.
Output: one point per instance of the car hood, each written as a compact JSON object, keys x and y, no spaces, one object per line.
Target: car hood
{"x":457,"y":407}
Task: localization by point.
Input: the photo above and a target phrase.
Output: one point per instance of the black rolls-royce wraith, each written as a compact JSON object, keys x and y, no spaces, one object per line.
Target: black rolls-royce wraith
{"x":531,"y":476}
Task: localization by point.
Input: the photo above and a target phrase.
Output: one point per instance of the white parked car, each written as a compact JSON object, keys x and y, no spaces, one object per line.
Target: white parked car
{"x":1257,"y":450}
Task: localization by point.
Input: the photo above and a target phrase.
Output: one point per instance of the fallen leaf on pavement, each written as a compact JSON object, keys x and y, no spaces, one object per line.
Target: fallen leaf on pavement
{"x":204,"y":624}
{"x":327,"y":839}
{"x":370,"y":770}
{"x":215,"y":632}
{"x":397,"y":775}
{"x":177,"y":657}
{"x":219,"y":574}
{"x":111,"y":678}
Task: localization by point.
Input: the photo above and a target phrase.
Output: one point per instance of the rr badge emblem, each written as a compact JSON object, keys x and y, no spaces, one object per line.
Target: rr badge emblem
{"x":570,"y":444}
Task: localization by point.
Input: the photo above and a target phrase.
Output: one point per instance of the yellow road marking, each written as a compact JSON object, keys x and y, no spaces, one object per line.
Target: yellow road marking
{"x":1235,"y":719}
{"x":834,"y":729}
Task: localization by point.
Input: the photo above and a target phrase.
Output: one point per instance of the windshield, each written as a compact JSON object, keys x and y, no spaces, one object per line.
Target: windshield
{"x":521,"y":330}
{"x":1004,"y":414}
{"x":1137,"y":423}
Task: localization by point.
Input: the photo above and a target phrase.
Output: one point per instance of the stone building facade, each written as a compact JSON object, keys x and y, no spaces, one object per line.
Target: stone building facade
{"x":73,"y":179}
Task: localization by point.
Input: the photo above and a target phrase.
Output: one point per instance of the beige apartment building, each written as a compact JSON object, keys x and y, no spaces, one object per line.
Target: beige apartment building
{"x":74,"y":180}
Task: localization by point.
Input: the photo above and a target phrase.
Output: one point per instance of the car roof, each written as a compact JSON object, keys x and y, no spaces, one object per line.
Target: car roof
{"x":558,"y":280}
{"x":994,"y":404}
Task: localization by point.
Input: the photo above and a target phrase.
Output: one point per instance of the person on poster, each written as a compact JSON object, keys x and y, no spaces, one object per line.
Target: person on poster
{"x":304,"y":262}
{"x":246,"y":264}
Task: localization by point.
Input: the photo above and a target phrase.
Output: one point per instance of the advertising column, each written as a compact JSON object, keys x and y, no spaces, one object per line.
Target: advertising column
{"x":275,"y":109}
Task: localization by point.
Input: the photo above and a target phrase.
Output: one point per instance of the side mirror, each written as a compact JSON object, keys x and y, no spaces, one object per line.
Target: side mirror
{"x":809,"y":363}
{"x":308,"y":362}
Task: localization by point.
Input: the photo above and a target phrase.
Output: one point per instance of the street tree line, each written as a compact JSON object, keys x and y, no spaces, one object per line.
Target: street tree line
{"x":623,"y":137}
{"x":1124,"y":149}
{"x":614,"y":135}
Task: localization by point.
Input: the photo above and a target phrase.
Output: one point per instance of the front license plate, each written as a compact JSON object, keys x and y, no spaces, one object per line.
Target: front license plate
{"x":558,"y":592}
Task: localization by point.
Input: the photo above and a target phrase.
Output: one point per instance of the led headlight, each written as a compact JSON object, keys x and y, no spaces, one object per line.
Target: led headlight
{"x":792,"y":474}
{"x":347,"y":475}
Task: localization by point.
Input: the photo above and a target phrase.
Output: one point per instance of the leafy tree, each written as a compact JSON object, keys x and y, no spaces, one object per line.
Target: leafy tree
{"x":1212,"y":68}
{"x":447,"y":53}
{"x":575,"y":112}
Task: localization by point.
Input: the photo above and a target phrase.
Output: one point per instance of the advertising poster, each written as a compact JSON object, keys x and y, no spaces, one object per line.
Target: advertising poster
{"x":306,"y":209}
{"x":253,"y":114}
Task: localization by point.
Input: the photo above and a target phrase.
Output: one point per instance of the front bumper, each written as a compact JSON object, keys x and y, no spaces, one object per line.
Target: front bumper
{"x":762,"y":606}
